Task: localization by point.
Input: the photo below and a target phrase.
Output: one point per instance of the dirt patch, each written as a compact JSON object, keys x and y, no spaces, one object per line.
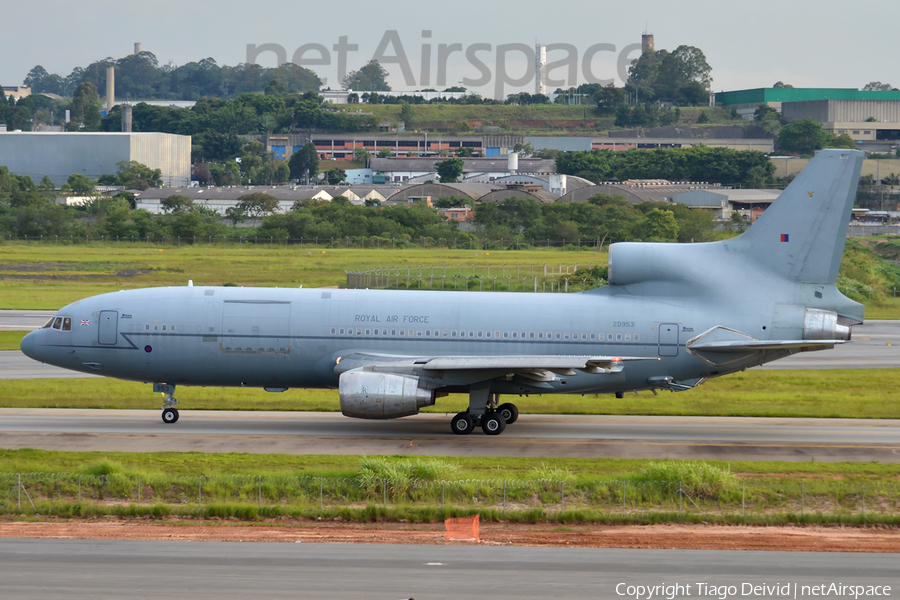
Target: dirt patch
{"x":694,"y":537}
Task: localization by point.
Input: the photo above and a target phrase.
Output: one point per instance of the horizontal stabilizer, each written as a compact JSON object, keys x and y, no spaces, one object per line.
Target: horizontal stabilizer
{"x":760,"y":345}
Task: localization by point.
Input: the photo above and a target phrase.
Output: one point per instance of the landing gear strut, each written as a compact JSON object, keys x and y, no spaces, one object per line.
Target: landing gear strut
{"x":169,"y":412}
{"x":485,"y":413}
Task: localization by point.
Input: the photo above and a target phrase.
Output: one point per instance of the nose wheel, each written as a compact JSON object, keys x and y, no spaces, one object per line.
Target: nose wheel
{"x":169,"y":412}
{"x":170,"y":415}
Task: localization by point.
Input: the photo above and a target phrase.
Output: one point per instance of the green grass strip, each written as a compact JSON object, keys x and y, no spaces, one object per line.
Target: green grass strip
{"x":848,"y":393}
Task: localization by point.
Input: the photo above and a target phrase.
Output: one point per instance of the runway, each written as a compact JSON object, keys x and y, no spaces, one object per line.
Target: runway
{"x":875,"y":345}
{"x":87,"y":569}
{"x":579,"y":436}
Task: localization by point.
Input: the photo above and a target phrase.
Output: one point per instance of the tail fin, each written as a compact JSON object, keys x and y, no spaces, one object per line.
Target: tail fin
{"x":801,"y":236}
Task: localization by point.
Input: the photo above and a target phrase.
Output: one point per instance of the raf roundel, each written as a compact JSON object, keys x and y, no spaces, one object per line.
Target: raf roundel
{"x":148,"y":348}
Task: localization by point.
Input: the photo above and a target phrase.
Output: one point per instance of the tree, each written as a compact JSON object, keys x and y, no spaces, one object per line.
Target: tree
{"x":46,"y":184}
{"x":81,"y":184}
{"x":449,"y":170}
{"x":235,"y":214}
{"x":658,"y":226}
{"x":768,"y":119}
{"x":804,"y":136}
{"x":133,"y":175}
{"x":385,"y":152}
{"x":703,"y":117}
{"x":257,"y":204}
{"x":465,"y":152}
{"x":176,"y":204}
{"x":305,"y":163}
{"x":86,"y":106}
{"x":335,"y":175}
{"x":407,"y":115}
{"x":360,"y":155}
{"x":608,"y":99}
{"x":370,"y":78}
{"x":877,"y":86}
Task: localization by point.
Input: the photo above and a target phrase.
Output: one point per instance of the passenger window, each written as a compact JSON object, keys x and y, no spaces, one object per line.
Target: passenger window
{"x":57,"y":323}
{"x":584,"y":336}
{"x":505,"y":335}
{"x":453,"y":333}
{"x":515,"y":334}
{"x":618,"y":337}
{"x":359,"y":332}
{"x":566,"y":336}
{"x":445,"y":333}
{"x":557,"y":336}
{"x":342,"y":331}
{"x":410,"y":333}
{"x":531,"y":335}
{"x":487,"y":334}
{"x":462,"y":334}
{"x":497,"y":334}
{"x":368,"y":331}
{"x":393,"y":332}
{"x":593,"y":336}
{"x":156,"y":328}
{"x":627,"y":337}
{"x":480,"y":334}
{"x":427,"y":333}
{"x":471,"y":334}
{"x":164,"y":328}
{"x":147,"y":327}
{"x":637,"y":337}
{"x":67,"y":324}
{"x":540,"y":335}
{"x":384,"y":332}
{"x":402,"y":332}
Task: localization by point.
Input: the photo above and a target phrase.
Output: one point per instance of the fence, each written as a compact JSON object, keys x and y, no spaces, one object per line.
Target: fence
{"x":751,"y":500}
{"x":507,"y":277}
{"x":464,"y":242}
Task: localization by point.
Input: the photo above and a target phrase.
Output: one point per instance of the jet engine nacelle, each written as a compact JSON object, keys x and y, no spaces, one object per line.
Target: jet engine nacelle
{"x":823,"y":325}
{"x":373,"y":395}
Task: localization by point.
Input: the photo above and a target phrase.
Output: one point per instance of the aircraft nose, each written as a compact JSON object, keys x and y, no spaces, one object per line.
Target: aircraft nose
{"x":29,"y":345}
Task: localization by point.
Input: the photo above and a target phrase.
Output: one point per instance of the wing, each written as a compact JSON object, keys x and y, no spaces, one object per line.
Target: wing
{"x":470,"y":369}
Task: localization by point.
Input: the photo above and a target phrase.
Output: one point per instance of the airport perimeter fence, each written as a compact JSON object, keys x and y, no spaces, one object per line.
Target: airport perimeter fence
{"x":250,"y":497}
{"x":496,"y":277}
{"x":371,"y":242}
{"x":517,"y":277}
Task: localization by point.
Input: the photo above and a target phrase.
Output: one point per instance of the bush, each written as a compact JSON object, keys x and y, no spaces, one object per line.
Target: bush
{"x":697,"y":479}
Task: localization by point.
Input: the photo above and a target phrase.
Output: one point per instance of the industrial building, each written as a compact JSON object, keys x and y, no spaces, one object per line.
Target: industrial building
{"x":750,"y":204}
{"x":747,"y":101}
{"x":862,"y":120}
{"x":60,"y":155}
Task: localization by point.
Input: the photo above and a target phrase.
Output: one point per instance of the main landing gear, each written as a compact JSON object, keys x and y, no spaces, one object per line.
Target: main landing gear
{"x":169,"y":412}
{"x":484,"y":412}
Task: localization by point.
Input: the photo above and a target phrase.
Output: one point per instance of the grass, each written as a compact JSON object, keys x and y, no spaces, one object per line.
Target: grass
{"x":191,"y":464}
{"x":10,"y":340}
{"x":850,"y":393}
{"x":252,"y":487}
{"x":49,"y":277}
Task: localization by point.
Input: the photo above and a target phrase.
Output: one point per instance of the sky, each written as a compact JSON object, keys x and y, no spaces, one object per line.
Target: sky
{"x":824,"y":43}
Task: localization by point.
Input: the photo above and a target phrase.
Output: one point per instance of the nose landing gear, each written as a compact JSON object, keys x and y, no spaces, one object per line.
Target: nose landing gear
{"x":169,"y":412}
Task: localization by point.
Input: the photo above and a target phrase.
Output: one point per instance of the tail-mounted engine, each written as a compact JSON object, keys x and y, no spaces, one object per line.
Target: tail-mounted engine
{"x":823,"y":325}
{"x":374,"y":395}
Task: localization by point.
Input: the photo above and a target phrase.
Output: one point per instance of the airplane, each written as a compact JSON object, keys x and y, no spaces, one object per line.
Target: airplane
{"x":671,"y":317}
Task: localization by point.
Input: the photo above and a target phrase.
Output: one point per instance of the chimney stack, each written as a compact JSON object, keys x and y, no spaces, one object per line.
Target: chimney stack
{"x":110,"y":87}
{"x":126,"y":118}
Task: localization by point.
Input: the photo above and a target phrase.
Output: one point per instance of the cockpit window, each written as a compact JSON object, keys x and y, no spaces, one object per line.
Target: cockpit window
{"x":48,"y":323}
{"x":57,"y":323}
{"x":67,"y":324}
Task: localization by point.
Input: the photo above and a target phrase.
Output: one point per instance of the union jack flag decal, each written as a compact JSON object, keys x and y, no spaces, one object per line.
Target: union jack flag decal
{"x":85,"y":322}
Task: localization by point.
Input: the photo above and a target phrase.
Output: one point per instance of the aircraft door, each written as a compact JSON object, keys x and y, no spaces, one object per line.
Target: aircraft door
{"x":107,"y":332}
{"x":668,"y":339}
